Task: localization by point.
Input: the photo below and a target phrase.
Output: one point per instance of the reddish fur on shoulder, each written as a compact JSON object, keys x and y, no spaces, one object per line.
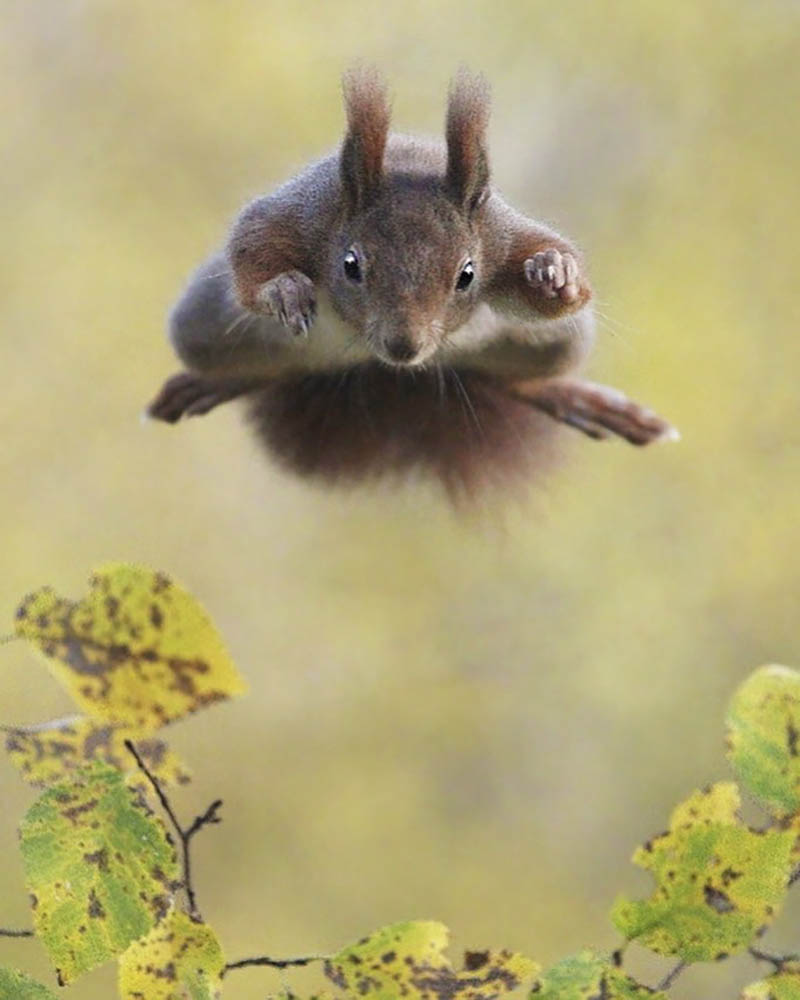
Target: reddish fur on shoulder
{"x":371,"y":421}
{"x":465,"y":129}
{"x":368,"y":115}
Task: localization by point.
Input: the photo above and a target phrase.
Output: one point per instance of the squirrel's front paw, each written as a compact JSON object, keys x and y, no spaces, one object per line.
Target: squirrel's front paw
{"x":554,"y":275}
{"x":290,"y":299}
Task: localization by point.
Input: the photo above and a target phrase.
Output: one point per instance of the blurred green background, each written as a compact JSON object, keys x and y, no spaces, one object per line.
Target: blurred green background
{"x":467,"y":718}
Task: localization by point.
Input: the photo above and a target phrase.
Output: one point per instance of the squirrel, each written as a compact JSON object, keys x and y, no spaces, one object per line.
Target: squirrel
{"x":386,"y":310}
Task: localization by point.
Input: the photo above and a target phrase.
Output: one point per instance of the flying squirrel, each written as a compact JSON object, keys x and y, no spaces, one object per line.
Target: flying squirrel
{"x":386,"y":310}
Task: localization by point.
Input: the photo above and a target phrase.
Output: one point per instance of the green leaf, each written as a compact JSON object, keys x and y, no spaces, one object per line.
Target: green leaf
{"x":100,"y":868}
{"x":179,"y":959}
{"x":718,"y":883}
{"x":138,"y":650}
{"x":764,"y":737}
{"x":783,"y":985}
{"x":18,"y":986}
{"x":407,"y":959}
{"x":51,"y":751}
{"x":589,"y":976}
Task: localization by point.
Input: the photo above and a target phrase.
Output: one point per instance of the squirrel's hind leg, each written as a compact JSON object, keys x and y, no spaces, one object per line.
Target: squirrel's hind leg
{"x":597,"y":410}
{"x":188,"y":394}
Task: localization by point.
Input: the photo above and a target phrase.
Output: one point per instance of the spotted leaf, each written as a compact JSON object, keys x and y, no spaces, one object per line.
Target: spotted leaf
{"x":783,"y":985}
{"x":589,"y":976}
{"x":18,"y":986}
{"x":99,"y":866}
{"x":138,"y":650}
{"x":718,"y":883}
{"x":179,"y":959}
{"x":49,"y":752}
{"x":407,"y":959}
{"x":764,"y":737}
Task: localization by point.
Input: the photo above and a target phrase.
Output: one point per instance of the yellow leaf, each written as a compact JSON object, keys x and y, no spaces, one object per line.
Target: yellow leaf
{"x":48,"y":752}
{"x":407,"y":959}
{"x":138,"y":650}
{"x":179,"y":959}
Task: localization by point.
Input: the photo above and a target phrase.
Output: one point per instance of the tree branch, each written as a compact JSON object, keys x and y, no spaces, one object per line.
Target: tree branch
{"x":7,"y":932}
{"x":672,"y":975}
{"x":184,"y":836}
{"x":275,"y":963}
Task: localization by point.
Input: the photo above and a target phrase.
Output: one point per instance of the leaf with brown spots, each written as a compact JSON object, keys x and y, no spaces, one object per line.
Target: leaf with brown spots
{"x":18,"y":986}
{"x":179,"y":959}
{"x":764,"y":737}
{"x":51,"y":751}
{"x":138,"y":650}
{"x":783,"y":985}
{"x":718,"y":883}
{"x":408,"y":960}
{"x":589,"y":976}
{"x":100,"y":868}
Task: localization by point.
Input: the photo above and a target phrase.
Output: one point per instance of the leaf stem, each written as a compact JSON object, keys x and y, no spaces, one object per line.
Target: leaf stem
{"x":275,"y":963}
{"x":184,"y":836}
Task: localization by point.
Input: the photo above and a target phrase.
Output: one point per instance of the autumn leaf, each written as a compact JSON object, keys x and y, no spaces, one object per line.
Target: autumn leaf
{"x":99,"y":866}
{"x":18,"y":986}
{"x":51,"y":751}
{"x":764,"y":737}
{"x":589,"y":976}
{"x":782,"y":985}
{"x":138,"y":650}
{"x":180,"y":959}
{"x":407,"y":959}
{"x":718,"y":883}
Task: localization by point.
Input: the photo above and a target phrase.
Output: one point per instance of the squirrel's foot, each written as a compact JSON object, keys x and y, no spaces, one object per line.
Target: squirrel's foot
{"x":190,"y":395}
{"x":554,"y":275}
{"x":597,"y":410}
{"x":289,"y":298}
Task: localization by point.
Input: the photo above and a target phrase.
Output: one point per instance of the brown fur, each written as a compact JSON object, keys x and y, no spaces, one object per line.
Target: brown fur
{"x":467,"y":176}
{"x":401,"y":365}
{"x":371,"y":421}
{"x":368,"y":113}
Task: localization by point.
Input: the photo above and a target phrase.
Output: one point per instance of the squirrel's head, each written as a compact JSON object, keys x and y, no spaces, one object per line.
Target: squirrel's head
{"x":406,"y":262}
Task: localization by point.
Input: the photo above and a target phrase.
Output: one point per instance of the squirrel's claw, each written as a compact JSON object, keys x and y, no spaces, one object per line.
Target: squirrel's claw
{"x":553,"y":274}
{"x":290,"y":299}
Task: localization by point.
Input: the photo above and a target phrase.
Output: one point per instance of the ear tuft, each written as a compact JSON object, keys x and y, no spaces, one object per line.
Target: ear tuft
{"x":368,"y":112}
{"x":467,"y":155}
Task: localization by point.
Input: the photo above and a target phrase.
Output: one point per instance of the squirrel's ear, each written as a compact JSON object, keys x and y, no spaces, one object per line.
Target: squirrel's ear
{"x":361,"y":164}
{"x":467,"y":177}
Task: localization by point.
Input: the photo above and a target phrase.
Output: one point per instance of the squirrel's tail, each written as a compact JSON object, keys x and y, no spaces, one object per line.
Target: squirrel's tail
{"x":372,"y":421}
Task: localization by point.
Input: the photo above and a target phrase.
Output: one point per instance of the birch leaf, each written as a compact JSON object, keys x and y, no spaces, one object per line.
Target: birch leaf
{"x":179,"y":959}
{"x":589,"y":976}
{"x":99,"y":866}
{"x":782,"y":985}
{"x":137,"y":650}
{"x":764,"y":737}
{"x":18,"y":986}
{"x":407,"y":959}
{"x":51,"y":751}
{"x":718,"y":883}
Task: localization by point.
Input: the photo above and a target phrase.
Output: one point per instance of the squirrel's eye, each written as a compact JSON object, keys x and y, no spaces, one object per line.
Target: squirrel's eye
{"x":352,"y":268}
{"x":466,"y":276}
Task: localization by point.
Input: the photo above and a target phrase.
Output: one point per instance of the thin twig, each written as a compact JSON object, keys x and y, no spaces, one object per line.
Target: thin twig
{"x":778,"y":961}
{"x":671,"y":976}
{"x":184,"y":836}
{"x":275,"y":963}
{"x":7,"y":932}
{"x":795,"y":876}
{"x":8,"y":638}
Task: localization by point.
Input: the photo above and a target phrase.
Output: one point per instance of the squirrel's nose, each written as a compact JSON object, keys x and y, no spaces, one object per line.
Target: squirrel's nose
{"x":400,"y":348}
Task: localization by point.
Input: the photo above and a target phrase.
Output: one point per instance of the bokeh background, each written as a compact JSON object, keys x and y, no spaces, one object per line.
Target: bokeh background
{"x":473,"y":718}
